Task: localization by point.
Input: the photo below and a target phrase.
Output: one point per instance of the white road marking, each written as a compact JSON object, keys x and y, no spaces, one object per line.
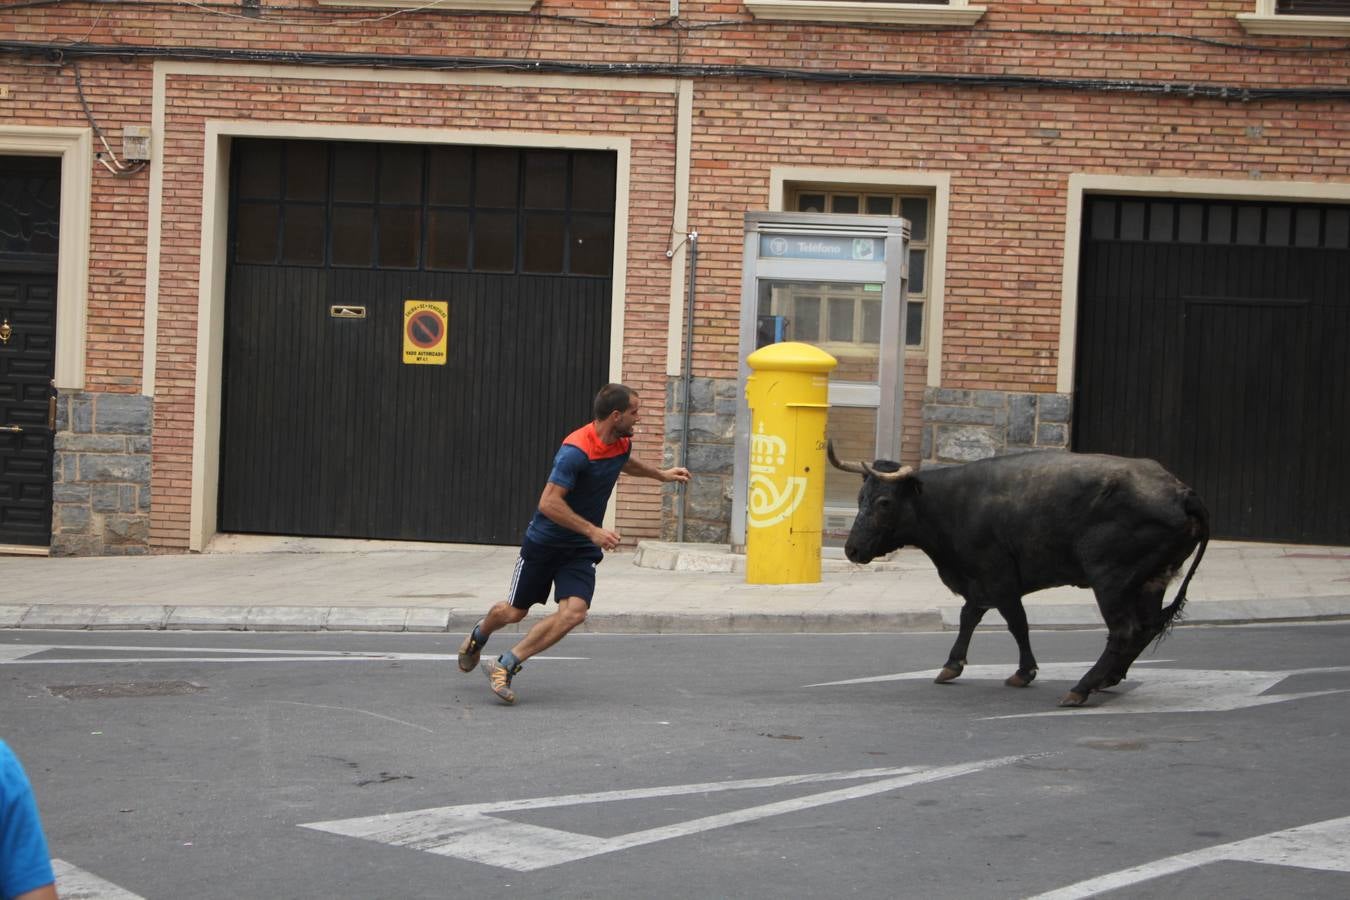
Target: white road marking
{"x":469,"y":832}
{"x":74,"y":883}
{"x":20,"y":655}
{"x":110,"y":660}
{"x":243,"y":651}
{"x":1065,"y":670}
{"x":364,"y":712}
{"x":1155,"y":689}
{"x":1324,"y":846}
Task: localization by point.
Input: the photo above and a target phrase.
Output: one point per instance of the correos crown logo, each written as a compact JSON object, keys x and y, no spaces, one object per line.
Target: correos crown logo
{"x":768,"y":503}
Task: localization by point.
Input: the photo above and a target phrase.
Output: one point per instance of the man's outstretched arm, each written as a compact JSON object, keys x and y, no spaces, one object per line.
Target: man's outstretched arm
{"x":635,"y":466}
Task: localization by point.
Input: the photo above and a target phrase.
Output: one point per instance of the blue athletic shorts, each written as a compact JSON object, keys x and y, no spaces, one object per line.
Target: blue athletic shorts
{"x":570,"y":570}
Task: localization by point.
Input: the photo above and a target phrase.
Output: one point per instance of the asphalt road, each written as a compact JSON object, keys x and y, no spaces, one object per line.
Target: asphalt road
{"x":233,"y":765}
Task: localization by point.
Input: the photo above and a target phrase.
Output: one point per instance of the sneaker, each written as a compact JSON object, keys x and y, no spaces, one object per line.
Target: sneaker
{"x":499,"y":679}
{"x":468,"y":652}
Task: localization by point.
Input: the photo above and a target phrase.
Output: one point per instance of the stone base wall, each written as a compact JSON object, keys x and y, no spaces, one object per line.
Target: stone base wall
{"x":711,"y":454}
{"x":963,"y":426}
{"x":101,"y":475}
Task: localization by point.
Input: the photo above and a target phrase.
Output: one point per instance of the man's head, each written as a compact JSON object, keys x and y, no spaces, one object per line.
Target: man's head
{"x":618,"y":405}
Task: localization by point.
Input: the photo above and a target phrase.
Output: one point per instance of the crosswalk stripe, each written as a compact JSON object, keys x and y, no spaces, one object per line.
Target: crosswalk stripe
{"x":74,"y":883}
{"x":471,"y":832}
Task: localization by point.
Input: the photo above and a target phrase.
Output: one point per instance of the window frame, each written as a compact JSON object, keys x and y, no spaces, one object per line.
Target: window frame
{"x":1267,"y":20}
{"x":496,"y":6}
{"x":953,"y":13}
{"x":831,"y":190}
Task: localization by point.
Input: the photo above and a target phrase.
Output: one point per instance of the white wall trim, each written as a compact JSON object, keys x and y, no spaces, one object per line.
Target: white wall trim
{"x":462,"y":77}
{"x":153,"y":232}
{"x":210,"y":336}
{"x":684,"y":131}
{"x":488,"y":6}
{"x":75,"y":147}
{"x":938,"y":182}
{"x":1312,"y":26}
{"x":205,"y":458}
{"x":954,"y":13}
{"x":1081,"y":184}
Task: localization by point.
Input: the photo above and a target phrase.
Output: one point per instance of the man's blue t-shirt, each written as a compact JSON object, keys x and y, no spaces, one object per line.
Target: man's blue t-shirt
{"x":24,"y":863}
{"x":588,"y":469}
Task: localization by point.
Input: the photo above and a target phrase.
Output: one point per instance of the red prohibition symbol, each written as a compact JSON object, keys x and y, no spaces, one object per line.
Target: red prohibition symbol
{"x":425,"y":328}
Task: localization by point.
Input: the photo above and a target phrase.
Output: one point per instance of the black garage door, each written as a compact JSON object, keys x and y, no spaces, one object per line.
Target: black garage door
{"x":326,"y":431}
{"x":1213,"y":337}
{"x":30,"y":202}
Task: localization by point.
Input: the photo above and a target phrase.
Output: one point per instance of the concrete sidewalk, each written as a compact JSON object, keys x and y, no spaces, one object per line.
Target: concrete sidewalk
{"x":296,"y":584}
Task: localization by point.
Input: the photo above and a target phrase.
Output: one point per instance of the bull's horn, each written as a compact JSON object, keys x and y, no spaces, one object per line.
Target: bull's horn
{"x":902,"y":472}
{"x":856,"y":468}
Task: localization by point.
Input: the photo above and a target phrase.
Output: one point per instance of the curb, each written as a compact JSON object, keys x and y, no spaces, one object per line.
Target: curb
{"x":392,"y":619}
{"x":436,"y":621}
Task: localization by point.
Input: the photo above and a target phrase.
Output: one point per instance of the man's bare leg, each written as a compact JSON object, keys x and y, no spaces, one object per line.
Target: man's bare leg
{"x":545,"y":633}
{"x":551,"y":629}
{"x":499,"y":616}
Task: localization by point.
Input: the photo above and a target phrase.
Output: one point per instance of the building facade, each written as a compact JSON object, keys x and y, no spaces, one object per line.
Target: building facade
{"x":1129,"y":231}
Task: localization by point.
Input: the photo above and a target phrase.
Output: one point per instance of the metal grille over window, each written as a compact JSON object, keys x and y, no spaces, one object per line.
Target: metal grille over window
{"x":30,"y":199}
{"x":438,"y":208}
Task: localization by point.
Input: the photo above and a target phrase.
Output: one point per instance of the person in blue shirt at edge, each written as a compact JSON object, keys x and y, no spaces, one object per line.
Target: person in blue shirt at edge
{"x":25,"y":867}
{"x":566,"y":537}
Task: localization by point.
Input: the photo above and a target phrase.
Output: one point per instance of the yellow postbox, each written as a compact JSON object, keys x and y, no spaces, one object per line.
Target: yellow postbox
{"x":788,"y":394}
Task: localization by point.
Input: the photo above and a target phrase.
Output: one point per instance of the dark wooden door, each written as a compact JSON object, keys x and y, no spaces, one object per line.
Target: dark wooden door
{"x":327,"y":432}
{"x":30,"y":192}
{"x":1212,"y":338}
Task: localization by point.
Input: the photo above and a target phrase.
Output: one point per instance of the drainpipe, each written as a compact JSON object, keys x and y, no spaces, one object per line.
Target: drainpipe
{"x":683,"y":499}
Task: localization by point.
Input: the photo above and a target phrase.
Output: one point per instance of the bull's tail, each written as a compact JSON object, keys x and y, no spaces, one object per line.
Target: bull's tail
{"x":1198,"y":518}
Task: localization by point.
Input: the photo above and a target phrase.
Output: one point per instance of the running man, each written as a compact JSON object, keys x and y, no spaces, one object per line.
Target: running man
{"x":565,"y":540}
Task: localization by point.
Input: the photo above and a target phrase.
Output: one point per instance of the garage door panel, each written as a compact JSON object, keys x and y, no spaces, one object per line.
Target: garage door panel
{"x":378,"y":448}
{"x":327,"y":432}
{"x":1222,"y":355}
{"x":1246,"y":387}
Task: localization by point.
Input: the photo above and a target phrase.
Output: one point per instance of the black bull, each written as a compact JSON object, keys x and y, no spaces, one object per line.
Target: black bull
{"x":1000,"y":528}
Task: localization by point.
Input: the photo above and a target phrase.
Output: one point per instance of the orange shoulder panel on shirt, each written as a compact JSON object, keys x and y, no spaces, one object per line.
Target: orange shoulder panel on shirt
{"x":587,"y":441}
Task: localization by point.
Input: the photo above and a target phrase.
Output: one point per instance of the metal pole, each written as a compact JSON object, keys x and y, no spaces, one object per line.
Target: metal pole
{"x":683,"y":499}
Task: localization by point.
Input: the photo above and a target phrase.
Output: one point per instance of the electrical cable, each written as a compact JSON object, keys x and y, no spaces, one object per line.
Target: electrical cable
{"x":117,"y":167}
{"x":57,"y":54}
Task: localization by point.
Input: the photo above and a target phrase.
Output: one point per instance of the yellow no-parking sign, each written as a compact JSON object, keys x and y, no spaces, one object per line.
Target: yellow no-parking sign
{"x":425,"y":324}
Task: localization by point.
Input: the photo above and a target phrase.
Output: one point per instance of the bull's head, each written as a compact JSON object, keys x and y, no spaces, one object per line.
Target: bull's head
{"x":885,"y":508}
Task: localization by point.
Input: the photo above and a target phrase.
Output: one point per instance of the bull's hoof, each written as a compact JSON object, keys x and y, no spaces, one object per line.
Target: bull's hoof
{"x":1073,"y":698}
{"x":1021,"y":678}
{"x":949,"y":673}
